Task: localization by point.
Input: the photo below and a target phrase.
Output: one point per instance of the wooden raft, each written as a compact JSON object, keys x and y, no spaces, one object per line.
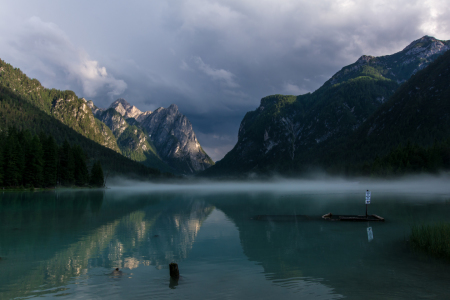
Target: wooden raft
{"x":352,"y":218}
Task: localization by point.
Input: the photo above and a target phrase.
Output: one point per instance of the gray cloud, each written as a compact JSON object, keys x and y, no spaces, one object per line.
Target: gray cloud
{"x":214,"y":59}
{"x":46,"y":50}
{"x":217,"y":74}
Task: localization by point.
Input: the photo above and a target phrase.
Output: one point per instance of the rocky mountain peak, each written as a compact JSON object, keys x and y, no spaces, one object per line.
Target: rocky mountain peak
{"x":426,"y":47}
{"x":173,"y":108}
{"x":122,"y":102}
{"x":172,"y":134}
{"x":419,"y":42}
{"x":159,"y":109}
{"x":169,"y":131}
{"x":90,"y":103}
{"x":364,"y":59}
{"x":398,"y":66}
{"x":121,"y":106}
{"x":127,"y":110}
{"x":93,"y":108}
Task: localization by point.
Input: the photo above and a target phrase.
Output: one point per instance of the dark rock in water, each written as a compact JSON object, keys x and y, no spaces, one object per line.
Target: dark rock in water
{"x":156,"y":235}
{"x":116,"y":272}
{"x":174,"y":272}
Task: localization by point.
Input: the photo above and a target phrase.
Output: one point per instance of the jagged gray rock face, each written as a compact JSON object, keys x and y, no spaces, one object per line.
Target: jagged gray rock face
{"x":95,"y":110}
{"x":172,"y":134}
{"x":113,"y":120}
{"x":128,"y":111}
{"x":131,"y":139}
{"x":169,"y":135}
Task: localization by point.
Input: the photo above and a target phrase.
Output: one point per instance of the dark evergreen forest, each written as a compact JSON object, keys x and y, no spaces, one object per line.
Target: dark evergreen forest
{"x":402,"y":160}
{"x":36,"y":161}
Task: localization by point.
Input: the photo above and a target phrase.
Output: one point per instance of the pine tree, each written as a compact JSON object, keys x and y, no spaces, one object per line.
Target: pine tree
{"x":81,"y":174}
{"x":2,"y":142}
{"x":12,"y":175}
{"x":35,"y":163}
{"x":50,"y":150}
{"x":97,"y":179}
{"x":24,"y":138}
{"x":66,"y":165}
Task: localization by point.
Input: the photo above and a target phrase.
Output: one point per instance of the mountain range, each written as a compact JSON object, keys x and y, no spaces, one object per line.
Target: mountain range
{"x":291,"y":134}
{"x":120,"y":137}
{"x":362,"y":112}
{"x":28,"y":111}
{"x":163,"y":138}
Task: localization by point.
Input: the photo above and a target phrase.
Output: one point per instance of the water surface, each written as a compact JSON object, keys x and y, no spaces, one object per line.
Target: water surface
{"x":66,"y":244}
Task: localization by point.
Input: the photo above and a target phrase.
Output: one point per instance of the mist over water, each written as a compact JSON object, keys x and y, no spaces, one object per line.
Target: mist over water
{"x":423,"y":184}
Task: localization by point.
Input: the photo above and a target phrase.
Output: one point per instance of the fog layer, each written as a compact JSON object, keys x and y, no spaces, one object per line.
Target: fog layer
{"x":407,"y":185}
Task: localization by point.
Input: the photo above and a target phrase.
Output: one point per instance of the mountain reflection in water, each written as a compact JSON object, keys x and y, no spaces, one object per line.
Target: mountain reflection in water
{"x":47,"y":239}
{"x":67,"y":244}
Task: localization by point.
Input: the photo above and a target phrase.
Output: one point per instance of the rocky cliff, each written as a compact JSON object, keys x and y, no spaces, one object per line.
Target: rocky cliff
{"x":173,"y":136}
{"x":164,"y":136}
{"x":128,"y":111}
{"x":131,"y":140}
{"x":287,"y":133}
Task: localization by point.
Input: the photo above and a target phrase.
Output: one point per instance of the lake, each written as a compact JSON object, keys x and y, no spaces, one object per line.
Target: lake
{"x":67,"y":243}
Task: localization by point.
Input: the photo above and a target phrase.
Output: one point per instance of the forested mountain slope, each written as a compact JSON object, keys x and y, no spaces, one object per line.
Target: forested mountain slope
{"x":290,"y":133}
{"x":16,"y":110}
{"x":62,"y":105}
{"x":418,"y":113}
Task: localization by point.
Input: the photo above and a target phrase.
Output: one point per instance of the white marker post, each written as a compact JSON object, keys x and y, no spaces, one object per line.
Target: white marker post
{"x":368,"y":194}
{"x":369,"y":234}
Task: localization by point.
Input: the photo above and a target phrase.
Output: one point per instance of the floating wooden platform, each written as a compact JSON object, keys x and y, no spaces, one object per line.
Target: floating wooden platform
{"x":352,"y":218}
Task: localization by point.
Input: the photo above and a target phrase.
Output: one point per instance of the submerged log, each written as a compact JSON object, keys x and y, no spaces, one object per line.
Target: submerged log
{"x":174,"y":272}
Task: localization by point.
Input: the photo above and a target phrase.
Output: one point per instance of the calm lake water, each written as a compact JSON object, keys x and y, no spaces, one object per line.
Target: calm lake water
{"x":66,"y":244}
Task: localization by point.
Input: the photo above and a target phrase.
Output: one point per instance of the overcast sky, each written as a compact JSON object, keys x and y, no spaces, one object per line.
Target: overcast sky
{"x":214,"y":59}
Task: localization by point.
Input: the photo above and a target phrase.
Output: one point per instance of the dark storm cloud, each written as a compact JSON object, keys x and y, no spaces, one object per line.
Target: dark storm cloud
{"x":214,"y":59}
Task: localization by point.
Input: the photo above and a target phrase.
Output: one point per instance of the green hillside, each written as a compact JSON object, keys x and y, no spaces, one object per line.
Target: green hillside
{"x":19,"y":112}
{"x":295,"y":134}
{"x":417,"y":114}
{"x":62,"y":105}
{"x":286,"y":131}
